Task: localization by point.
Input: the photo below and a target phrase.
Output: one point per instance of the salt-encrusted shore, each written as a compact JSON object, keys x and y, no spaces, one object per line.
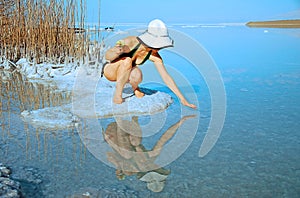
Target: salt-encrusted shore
{"x":91,"y":95}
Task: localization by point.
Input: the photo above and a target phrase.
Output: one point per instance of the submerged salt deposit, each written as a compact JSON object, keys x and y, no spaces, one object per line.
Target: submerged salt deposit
{"x":53,"y":118}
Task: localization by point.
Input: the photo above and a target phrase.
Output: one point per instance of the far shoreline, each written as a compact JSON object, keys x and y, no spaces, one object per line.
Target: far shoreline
{"x":275,"y":24}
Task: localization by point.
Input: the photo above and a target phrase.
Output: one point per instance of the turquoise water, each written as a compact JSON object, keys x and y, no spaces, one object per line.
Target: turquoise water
{"x":256,"y":155}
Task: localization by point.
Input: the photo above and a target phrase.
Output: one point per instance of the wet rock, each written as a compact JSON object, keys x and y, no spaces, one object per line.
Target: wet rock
{"x":4,"y":171}
{"x":23,"y":182}
{"x":9,"y":193}
{"x":9,"y":188}
{"x":29,"y":175}
{"x":9,"y":182}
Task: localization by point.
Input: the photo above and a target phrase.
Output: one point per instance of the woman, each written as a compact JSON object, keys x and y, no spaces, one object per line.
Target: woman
{"x":124,"y":59}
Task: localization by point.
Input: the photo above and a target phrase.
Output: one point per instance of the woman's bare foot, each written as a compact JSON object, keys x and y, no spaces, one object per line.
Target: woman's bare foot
{"x":138,"y":93}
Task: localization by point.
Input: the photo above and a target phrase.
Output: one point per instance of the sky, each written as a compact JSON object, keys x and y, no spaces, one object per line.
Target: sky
{"x":191,"y":11}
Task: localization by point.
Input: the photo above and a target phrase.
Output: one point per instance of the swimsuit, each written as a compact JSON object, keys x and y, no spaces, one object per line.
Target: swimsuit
{"x":129,"y":54}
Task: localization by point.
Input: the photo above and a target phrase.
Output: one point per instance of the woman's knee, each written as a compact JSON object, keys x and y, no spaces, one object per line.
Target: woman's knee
{"x":126,"y":63}
{"x":112,"y":70}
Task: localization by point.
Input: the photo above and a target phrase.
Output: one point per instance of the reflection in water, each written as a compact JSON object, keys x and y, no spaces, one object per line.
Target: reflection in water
{"x":26,"y":95}
{"x":18,"y":94}
{"x":129,"y":155}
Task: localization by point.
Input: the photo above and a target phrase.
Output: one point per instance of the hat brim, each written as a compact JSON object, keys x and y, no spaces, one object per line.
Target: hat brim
{"x":155,"y":42}
{"x":153,"y":176}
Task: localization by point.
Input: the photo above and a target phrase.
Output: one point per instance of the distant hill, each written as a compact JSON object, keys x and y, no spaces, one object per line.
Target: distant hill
{"x":276,"y":24}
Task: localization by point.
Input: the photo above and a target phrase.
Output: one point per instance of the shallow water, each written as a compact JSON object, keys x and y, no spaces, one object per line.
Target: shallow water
{"x":256,"y":155}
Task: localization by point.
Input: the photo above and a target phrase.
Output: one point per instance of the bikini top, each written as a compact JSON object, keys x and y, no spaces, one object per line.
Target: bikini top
{"x":133,"y":51}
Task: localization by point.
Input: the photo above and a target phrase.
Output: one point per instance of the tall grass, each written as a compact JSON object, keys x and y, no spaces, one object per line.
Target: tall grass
{"x":43,"y":30}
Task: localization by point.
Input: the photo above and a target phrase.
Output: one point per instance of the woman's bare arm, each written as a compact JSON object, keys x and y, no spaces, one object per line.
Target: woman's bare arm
{"x":155,"y":57}
{"x":115,"y":52}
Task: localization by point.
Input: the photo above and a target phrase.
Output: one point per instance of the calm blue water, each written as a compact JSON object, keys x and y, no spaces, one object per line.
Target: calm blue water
{"x":256,"y":155}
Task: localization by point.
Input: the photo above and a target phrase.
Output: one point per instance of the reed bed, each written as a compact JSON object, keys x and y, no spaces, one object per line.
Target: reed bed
{"x":43,"y":30}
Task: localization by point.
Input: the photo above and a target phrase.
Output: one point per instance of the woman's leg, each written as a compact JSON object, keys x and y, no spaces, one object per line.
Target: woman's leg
{"x":135,"y":78}
{"x":119,"y":72}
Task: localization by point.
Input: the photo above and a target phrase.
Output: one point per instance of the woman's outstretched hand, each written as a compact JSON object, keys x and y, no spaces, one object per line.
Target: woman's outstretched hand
{"x":186,"y":103}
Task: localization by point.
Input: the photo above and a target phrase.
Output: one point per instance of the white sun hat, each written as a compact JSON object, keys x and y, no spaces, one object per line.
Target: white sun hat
{"x":156,"y":36}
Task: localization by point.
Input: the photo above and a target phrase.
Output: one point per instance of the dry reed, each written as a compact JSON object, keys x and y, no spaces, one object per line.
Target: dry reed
{"x":43,"y":30}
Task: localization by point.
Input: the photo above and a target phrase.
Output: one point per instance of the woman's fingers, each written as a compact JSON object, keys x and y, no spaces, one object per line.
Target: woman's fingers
{"x":185,"y":103}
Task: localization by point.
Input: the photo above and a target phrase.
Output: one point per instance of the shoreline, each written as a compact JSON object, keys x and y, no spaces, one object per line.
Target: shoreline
{"x":275,"y":24}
